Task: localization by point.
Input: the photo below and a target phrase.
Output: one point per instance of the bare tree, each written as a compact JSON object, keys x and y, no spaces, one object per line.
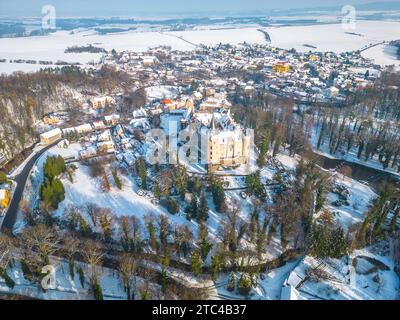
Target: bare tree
{"x":130,"y":234}
{"x":127,"y":267}
{"x":92,"y":210}
{"x":27,"y":212}
{"x":40,"y":240}
{"x":70,"y":248}
{"x":6,"y":252}
{"x":183,"y":238}
{"x":92,"y":254}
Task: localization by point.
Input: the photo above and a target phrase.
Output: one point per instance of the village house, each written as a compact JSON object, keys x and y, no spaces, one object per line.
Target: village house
{"x":98,"y":125}
{"x":51,"y":136}
{"x":51,"y":120}
{"x":4,"y":198}
{"x":90,"y":151}
{"x":84,"y":128}
{"x":101,"y":102}
{"x":112,"y":119}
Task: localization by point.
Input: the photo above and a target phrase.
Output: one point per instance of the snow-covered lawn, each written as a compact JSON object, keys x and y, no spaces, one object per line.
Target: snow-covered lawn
{"x":343,"y":281}
{"x":68,"y":288}
{"x":360,"y":197}
{"x":161,"y":92}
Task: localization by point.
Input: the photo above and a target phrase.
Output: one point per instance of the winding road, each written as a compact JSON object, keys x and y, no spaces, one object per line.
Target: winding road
{"x":11,"y":214}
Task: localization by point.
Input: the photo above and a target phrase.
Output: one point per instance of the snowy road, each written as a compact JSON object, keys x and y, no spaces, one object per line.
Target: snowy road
{"x":20,"y":179}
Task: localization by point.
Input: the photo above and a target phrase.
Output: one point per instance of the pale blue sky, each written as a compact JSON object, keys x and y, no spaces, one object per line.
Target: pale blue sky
{"x":154,"y":7}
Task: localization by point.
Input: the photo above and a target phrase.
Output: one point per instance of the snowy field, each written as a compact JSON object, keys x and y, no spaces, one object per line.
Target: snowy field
{"x":382,"y":54}
{"x":333,"y":37}
{"x":51,"y":47}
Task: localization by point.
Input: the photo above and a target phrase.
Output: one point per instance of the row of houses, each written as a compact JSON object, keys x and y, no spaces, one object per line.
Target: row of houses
{"x":56,"y":134}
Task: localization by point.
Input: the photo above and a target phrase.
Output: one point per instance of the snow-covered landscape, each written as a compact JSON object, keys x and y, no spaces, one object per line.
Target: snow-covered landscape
{"x":52,"y":47}
{"x":232,"y":157}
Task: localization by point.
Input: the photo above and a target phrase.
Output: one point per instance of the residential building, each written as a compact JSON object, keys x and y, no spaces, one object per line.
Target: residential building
{"x":51,"y":136}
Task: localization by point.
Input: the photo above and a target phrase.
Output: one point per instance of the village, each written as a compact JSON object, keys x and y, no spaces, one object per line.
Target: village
{"x":307,"y":77}
{"x":176,"y":94}
{"x":184,"y":159}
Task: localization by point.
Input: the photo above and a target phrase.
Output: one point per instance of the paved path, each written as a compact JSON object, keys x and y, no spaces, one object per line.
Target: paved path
{"x":11,"y":214}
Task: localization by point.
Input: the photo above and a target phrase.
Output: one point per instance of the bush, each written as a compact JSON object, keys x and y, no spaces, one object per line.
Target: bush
{"x":244,"y":285}
{"x":97,"y":291}
{"x":3,"y":178}
{"x":172,"y":206}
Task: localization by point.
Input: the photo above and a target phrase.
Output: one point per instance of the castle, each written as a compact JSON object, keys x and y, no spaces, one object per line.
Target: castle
{"x":224,"y":143}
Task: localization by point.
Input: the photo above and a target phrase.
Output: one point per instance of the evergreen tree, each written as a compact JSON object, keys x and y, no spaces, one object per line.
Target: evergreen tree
{"x":216,"y":266}
{"x":152,"y":236}
{"x":253,"y":183}
{"x":218,"y":194}
{"x":52,"y":190}
{"x":196,"y":263}
{"x":231,"y":283}
{"x":180,"y":180}
{"x":163,"y":280}
{"x":3,"y":178}
{"x":157,"y":191}
{"x":192,"y":209}
{"x":244,"y":285}
{"x":142,"y":172}
{"x":81,"y":276}
{"x":202,"y":215}
{"x":204,"y":246}
{"x":172,"y":206}
{"x":195,"y":185}
{"x":264,"y":146}
{"x":324,"y":242}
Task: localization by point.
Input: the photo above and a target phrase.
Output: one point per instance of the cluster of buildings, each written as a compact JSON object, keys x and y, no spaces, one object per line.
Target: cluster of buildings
{"x":71,"y":133}
{"x":218,"y":141}
{"x":306,"y":77}
{"x":205,"y":81}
